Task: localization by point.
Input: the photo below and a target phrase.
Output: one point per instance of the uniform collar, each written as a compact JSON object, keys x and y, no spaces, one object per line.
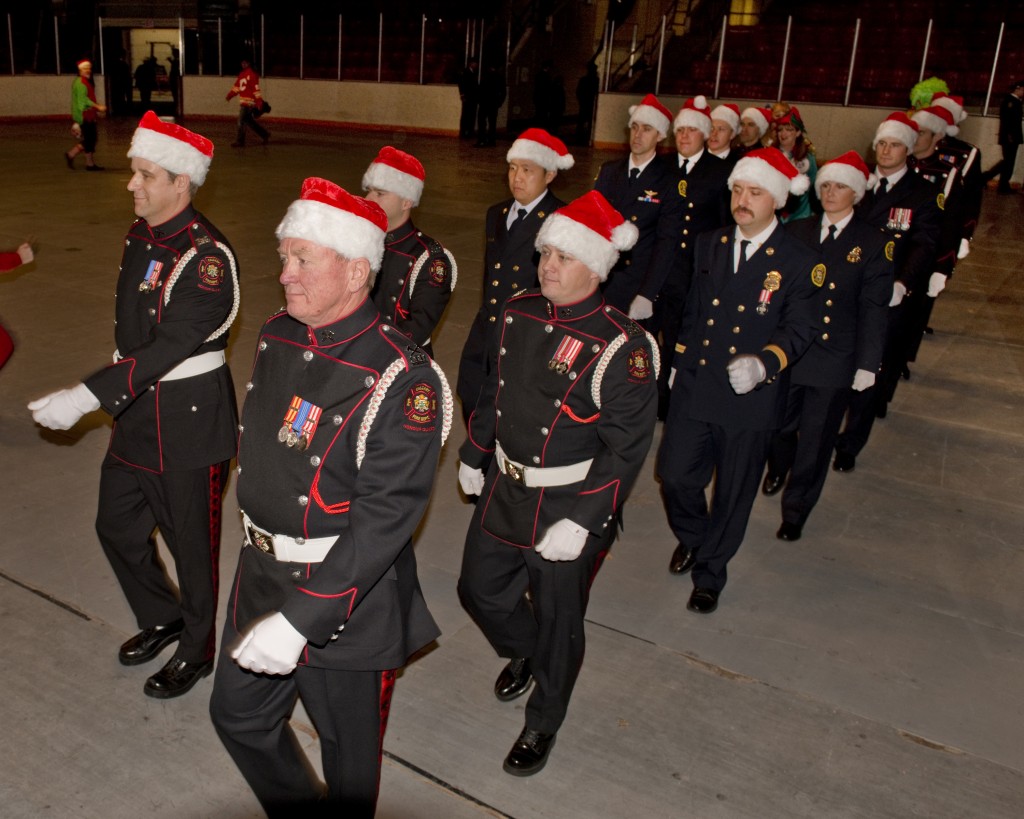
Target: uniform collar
{"x":401,"y":233}
{"x":175,"y":224}
{"x":355,"y":323}
{"x":576,"y":310}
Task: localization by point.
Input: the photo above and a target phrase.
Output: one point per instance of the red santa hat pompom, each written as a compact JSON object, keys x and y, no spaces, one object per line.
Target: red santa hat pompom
{"x":848,"y":169}
{"x":172,"y":147}
{"x":759,"y":116}
{"x":695,"y":113}
{"x":955,"y":106}
{"x":728,"y":112}
{"x":770,"y":169}
{"x":396,"y":172}
{"x":937,"y":119}
{"x":897,"y":126}
{"x":653,"y":113}
{"x":330,"y":216}
{"x":590,"y":229}
{"x":537,"y":145}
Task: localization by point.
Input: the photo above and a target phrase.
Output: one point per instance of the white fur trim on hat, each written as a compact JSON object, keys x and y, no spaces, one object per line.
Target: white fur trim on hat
{"x":890,"y":129}
{"x":170,"y":154}
{"x":691,"y":117}
{"x":385,"y":178}
{"x":546,"y":157}
{"x":845,"y":175}
{"x":350,"y":235}
{"x":589,"y":247}
{"x":757,"y":116}
{"x":756,"y":171}
{"x":955,"y":108}
{"x":934,"y":123}
{"x":726,"y":114}
{"x":649,"y":115}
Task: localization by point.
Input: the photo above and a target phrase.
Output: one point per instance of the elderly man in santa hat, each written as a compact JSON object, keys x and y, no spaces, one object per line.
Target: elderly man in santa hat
{"x":170,"y":394}
{"x":753,"y":311}
{"x":558,"y":437}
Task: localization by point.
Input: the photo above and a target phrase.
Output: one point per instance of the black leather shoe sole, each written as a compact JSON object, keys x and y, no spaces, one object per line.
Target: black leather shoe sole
{"x":682,"y":560}
{"x":514,"y":680}
{"x":844,"y":462}
{"x":176,"y":678}
{"x":789,"y":531}
{"x":771,"y":485}
{"x":703,"y":601}
{"x":529,"y":755}
{"x":148,"y":643}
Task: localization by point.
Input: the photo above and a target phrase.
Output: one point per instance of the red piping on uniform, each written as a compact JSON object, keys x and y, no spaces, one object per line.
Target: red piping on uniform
{"x":577,"y":418}
{"x":215,"y":478}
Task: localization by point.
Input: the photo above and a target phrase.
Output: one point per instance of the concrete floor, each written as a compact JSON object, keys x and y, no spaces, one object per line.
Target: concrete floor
{"x":874,"y":669}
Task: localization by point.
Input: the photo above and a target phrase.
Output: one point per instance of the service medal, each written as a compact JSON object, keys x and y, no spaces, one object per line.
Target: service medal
{"x":565,"y":355}
{"x":299,"y":425}
{"x":854,"y":255}
{"x":772,"y":281}
{"x":152,"y":278}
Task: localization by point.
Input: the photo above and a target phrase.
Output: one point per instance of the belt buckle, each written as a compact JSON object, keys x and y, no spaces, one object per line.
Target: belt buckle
{"x":263,"y":542}
{"x":514,"y":472}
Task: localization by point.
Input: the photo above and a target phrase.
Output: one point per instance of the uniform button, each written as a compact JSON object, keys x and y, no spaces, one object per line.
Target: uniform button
{"x":124,"y":397}
{"x":548,"y":328}
{"x":494,"y":301}
{"x":501,"y":382}
{"x":632,"y":218}
{"x":502,"y":351}
{"x":715,"y":302}
{"x":508,"y":319}
{"x":740,"y":308}
{"x":558,"y":402}
{"x":828,"y":303}
{"x":686,"y":233}
{"x":543,"y":430}
{"x":385,"y":327}
{"x":494,"y":283}
{"x":824,"y":336}
{"x":315,"y":460}
{"x":831,"y":285}
{"x":536,"y":459}
{"x":241,"y":428}
{"x":711,"y":322}
{"x":683,"y":245}
{"x":827,"y":319}
{"x":149,"y":246}
{"x":732,"y":351}
{"x":515,"y":286}
{"x":706,"y":343}
{"x":498,"y":413}
{"x":248,"y":387}
{"x":195,"y":409}
{"x":702,"y":362}
{"x":238,"y":471}
{"x":303,"y":500}
{"x":152,"y":388}
{"x":337,"y":419}
{"x":369,"y":381}
{"x":492,"y":318}
{"x":297,"y":575}
{"x":308,"y":355}
{"x":152,"y":311}
{"x":735,"y":329}
{"x":572,"y":376}
{"x":394,"y":298}
{"x":263,"y":346}
{"x":402,"y":281}
{"x":497,"y":266}
{"x":300,"y":541}
{"x":515,"y":268}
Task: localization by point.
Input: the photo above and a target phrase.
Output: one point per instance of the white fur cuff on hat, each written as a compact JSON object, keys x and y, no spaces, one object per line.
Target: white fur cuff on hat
{"x":385,"y":178}
{"x":646,"y":115}
{"x":756,"y":171}
{"x":578,"y":240}
{"x":535,"y":152}
{"x":170,"y":153}
{"x":694,"y":119}
{"x":890,"y":129}
{"x":935,"y":124}
{"x":350,"y":235}
{"x":845,"y":175}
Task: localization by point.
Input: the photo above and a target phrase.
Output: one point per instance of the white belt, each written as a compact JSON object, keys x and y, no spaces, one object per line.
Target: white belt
{"x":197,"y":365}
{"x":535,"y":476}
{"x":284,"y":548}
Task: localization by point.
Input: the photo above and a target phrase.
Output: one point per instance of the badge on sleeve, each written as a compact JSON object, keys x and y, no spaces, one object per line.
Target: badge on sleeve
{"x":211,"y":272}
{"x":299,"y":424}
{"x":438,"y":272}
{"x":421,"y":408}
{"x":818,"y":275}
{"x":639,"y":364}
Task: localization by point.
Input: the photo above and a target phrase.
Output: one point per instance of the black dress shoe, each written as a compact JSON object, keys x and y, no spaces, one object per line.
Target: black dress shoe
{"x":682,"y":560}
{"x":176,"y":678}
{"x":529,"y":754}
{"x":844,"y":462}
{"x":703,"y":601}
{"x":789,"y":531}
{"x":514,"y":680}
{"x":772,"y":485}
{"x":149,"y":642}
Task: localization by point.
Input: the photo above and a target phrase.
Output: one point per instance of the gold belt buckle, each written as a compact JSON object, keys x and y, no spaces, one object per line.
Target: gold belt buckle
{"x":261,"y":541}
{"x":514,"y":472}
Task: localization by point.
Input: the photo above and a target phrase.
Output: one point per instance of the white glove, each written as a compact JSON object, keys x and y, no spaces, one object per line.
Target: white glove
{"x":745,"y":373}
{"x":25,"y":252}
{"x":862,"y":379}
{"x":965,"y":248}
{"x":641,"y":308}
{"x":76,"y":130}
{"x":471,"y":480}
{"x":936,"y":284}
{"x":62,"y":409}
{"x":272,"y":646}
{"x":564,"y":540}
{"x":899,"y":290}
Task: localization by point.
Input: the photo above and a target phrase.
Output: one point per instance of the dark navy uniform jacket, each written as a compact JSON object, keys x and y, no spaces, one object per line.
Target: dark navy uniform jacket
{"x":364,"y":474}
{"x":601,"y":405}
{"x":190,"y":422}
{"x":722,"y":320}
{"x":855,"y":307}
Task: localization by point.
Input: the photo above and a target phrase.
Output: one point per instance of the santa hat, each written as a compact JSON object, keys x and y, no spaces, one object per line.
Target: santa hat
{"x":653,"y":113}
{"x":591,"y":230}
{"x":172,"y":147}
{"x":897,"y":126}
{"x":728,"y":112}
{"x":770,"y":169}
{"x":85,"y":61}
{"x":936,"y":119}
{"x":848,"y":169}
{"x":537,"y":145}
{"x":790,"y":117}
{"x":759,"y":116}
{"x":330,"y":216}
{"x":396,"y":172}
{"x":695,"y":113}
{"x":955,"y":106}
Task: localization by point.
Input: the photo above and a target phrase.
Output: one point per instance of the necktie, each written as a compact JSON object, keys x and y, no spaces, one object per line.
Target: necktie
{"x":633,"y":174}
{"x":883,"y":186}
{"x":520,"y":216}
{"x":686,"y":167}
{"x":831,"y":234}
{"x":744,"y":244}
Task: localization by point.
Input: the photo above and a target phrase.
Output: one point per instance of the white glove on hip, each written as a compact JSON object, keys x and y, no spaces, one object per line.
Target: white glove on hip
{"x":471,"y":480}
{"x":641,"y":308}
{"x":272,"y":646}
{"x":936,"y":284}
{"x":862,"y":379}
{"x":62,"y":409}
{"x":965,"y":248}
{"x":899,"y":290}
{"x":745,"y":373}
{"x":564,"y":540}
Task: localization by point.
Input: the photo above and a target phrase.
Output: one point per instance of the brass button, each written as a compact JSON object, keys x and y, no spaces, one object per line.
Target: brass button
{"x":711,"y":322}
{"x":824,"y":336}
{"x":706,"y":343}
{"x":740,"y":308}
{"x":715,"y":302}
{"x":732,"y":350}
{"x":827,"y":319}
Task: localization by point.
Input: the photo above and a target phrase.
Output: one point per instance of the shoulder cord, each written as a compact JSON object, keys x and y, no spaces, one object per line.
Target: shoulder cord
{"x":609,"y":354}
{"x":236,"y":299}
{"x":422,"y":260}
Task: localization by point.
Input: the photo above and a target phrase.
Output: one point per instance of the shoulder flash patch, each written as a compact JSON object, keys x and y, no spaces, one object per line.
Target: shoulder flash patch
{"x":890,"y":248}
{"x":420,"y":408}
{"x":638,"y":364}
{"x":818,"y":275}
{"x":211,"y":271}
